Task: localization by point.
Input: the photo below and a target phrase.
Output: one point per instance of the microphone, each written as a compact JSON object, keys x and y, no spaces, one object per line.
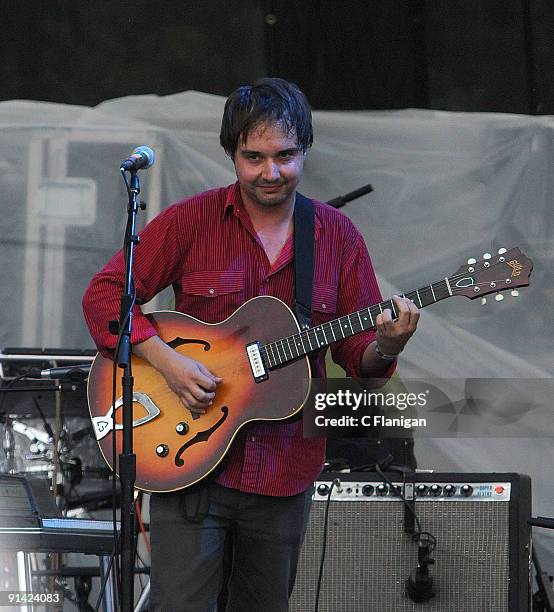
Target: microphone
{"x":419,"y":586}
{"x":74,"y":373}
{"x":142,"y":157}
{"x":340,"y":201}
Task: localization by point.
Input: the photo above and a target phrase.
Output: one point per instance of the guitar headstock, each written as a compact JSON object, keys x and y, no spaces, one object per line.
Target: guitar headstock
{"x":505,"y":271}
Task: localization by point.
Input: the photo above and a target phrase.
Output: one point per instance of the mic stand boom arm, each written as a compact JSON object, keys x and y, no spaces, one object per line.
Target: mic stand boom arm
{"x":340,"y":201}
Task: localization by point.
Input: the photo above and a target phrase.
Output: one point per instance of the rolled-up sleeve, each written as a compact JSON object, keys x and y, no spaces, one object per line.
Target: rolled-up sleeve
{"x":157,"y":259}
{"x":358,"y":289}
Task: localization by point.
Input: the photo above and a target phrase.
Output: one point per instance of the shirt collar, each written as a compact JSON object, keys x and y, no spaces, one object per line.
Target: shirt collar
{"x":233,"y":202}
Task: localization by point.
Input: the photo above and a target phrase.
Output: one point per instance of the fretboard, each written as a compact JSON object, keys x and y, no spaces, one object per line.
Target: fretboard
{"x":282,"y":351}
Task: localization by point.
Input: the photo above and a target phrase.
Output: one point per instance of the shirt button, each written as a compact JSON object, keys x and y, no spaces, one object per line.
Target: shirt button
{"x":324,"y":306}
{"x":211,"y":291}
{"x":252,"y":439}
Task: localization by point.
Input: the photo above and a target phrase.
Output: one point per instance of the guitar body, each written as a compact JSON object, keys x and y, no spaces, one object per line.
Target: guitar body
{"x":173,"y":449}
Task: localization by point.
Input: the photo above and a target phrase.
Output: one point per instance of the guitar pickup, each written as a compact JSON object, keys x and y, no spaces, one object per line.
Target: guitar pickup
{"x":256,"y":362}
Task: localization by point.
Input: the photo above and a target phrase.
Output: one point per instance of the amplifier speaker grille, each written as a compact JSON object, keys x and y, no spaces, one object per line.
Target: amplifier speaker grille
{"x":369,"y":556}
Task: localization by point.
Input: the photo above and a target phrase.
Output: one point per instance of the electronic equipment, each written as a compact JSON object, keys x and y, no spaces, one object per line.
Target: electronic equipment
{"x":482,"y":557}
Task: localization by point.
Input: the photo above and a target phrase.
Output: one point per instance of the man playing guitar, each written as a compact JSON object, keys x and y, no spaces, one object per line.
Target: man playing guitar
{"x":219,"y":249}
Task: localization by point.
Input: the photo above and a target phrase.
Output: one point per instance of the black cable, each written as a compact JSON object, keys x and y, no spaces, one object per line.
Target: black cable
{"x":416,"y":537}
{"x":419,"y":587}
{"x":9,"y":385}
{"x":324,"y":544}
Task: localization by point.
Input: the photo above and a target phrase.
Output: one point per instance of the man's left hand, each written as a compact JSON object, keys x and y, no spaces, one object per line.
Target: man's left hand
{"x":392,"y":334}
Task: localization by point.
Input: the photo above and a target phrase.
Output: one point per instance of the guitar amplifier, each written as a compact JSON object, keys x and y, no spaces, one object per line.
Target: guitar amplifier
{"x":482,"y":554}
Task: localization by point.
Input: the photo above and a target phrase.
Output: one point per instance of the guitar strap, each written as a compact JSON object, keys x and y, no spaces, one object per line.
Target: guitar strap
{"x":303,"y":259}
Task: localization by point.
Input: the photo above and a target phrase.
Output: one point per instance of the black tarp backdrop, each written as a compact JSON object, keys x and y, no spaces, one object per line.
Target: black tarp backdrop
{"x":471,"y":55}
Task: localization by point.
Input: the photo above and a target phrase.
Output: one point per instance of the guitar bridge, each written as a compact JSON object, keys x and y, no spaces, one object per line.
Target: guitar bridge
{"x":256,"y":362}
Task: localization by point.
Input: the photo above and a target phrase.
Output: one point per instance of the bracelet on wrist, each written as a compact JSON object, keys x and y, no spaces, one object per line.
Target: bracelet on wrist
{"x":384,"y":356}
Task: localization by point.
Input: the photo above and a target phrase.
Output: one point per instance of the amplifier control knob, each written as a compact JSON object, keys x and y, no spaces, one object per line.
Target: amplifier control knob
{"x":162,"y":450}
{"x":449,"y":490}
{"x":367,"y":490}
{"x":421,"y":490}
{"x":466,"y":490}
{"x":182,"y":428}
{"x":323,"y":489}
{"x":435,"y":490}
{"x":382,"y":490}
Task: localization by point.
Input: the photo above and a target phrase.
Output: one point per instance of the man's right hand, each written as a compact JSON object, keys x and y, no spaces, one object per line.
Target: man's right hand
{"x":189,"y":379}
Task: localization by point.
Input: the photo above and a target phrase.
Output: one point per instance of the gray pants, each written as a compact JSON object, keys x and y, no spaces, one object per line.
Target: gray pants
{"x":188,"y":553}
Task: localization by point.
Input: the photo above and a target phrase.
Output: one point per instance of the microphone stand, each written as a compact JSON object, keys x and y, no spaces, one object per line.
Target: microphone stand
{"x":127,"y":460}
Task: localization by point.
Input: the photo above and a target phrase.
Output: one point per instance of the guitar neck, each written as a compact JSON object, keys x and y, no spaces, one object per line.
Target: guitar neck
{"x":282,"y":351}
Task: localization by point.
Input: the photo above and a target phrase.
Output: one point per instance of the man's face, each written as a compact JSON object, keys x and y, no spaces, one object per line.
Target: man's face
{"x":269,"y":165}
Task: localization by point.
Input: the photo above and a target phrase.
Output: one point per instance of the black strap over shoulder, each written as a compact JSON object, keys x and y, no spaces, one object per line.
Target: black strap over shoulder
{"x":303,"y":259}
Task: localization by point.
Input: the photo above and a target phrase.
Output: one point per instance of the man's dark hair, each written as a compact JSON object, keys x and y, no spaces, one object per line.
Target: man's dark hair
{"x":269,"y":100}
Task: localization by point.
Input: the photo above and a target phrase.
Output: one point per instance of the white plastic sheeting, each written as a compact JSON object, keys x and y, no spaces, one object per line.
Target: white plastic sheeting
{"x":448,"y":186}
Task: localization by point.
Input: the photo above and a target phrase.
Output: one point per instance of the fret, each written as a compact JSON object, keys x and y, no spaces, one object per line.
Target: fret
{"x":280,"y":360}
{"x":309,"y":341}
{"x":448,"y":285}
{"x":268,"y":357}
{"x":376,"y":315}
{"x":427,"y":296}
{"x":293,"y":346}
{"x":419,"y":298}
{"x":332,"y":331}
{"x":284,"y":350}
{"x":395,"y":314}
{"x":287,"y":346}
{"x":350,"y":323}
{"x":370,"y":317}
{"x":442,"y":290}
{"x":324,"y":342}
{"x":433,"y":292}
{"x":269,"y":347}
{"x":361,"y":324}
{"x":323,"y":332}
{"x":315,"y":340}
{"x":380,"y":308}
{"x":298,"y":340}
{"x":343,"y":327}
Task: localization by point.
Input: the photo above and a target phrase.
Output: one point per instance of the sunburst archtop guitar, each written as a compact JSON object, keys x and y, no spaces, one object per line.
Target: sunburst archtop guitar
{"x":260,"y":353}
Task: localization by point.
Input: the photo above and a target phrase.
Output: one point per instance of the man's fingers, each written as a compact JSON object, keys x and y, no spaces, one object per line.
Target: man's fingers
{"x":414,"y":315}
{"x":216,"y":380}
{"x":408,"y":312}
{"x":197,"y":400}
{"x":192,"y":404}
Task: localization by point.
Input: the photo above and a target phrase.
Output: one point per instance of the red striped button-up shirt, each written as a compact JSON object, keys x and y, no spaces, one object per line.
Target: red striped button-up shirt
{"x":207,"y":249}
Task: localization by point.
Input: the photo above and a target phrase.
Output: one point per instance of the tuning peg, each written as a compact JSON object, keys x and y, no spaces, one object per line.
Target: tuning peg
{"x":483,"y":301}
{"x":501,"y":251}
{"x":498,"y":297}
{"x":471,"y":261}
{"x":487,"y":255}
{"x":514,"y":292}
